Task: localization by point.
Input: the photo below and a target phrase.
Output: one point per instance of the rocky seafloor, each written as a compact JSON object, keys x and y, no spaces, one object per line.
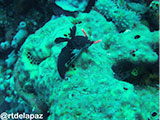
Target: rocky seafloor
{"x":115,"y":79}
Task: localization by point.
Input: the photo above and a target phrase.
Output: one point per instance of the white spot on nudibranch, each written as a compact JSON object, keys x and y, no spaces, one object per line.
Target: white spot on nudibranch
{"x":75,"y":53}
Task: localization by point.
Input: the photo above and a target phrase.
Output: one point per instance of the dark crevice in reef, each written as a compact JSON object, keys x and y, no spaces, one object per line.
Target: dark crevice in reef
{"x":91,"y":3}
{"x":141,"y":74}
{"x":152,"y":21}
{"x":57,"y":10}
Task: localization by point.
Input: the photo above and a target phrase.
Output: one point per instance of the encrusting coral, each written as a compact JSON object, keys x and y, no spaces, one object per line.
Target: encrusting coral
{"x":91,"y":89}
{"x":117,"y":12}
{"x":115,"y":79}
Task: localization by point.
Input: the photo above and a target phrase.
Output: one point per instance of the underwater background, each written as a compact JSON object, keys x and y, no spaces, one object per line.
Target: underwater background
{"x":115,"y":79}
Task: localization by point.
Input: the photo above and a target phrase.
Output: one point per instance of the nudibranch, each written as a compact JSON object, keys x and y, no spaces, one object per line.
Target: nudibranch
{"x":72,"y":50}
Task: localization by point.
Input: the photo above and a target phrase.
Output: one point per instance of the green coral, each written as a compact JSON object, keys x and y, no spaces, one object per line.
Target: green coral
{"x":135,"y":45}
{"x":120,"y":15}
{"x":91,"y":91}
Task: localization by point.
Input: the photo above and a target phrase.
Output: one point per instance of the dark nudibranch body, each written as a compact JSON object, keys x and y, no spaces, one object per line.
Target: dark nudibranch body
{"x":72,"y":50}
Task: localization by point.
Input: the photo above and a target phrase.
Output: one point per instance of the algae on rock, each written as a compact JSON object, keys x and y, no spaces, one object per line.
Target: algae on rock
{"x":91,"y":91}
